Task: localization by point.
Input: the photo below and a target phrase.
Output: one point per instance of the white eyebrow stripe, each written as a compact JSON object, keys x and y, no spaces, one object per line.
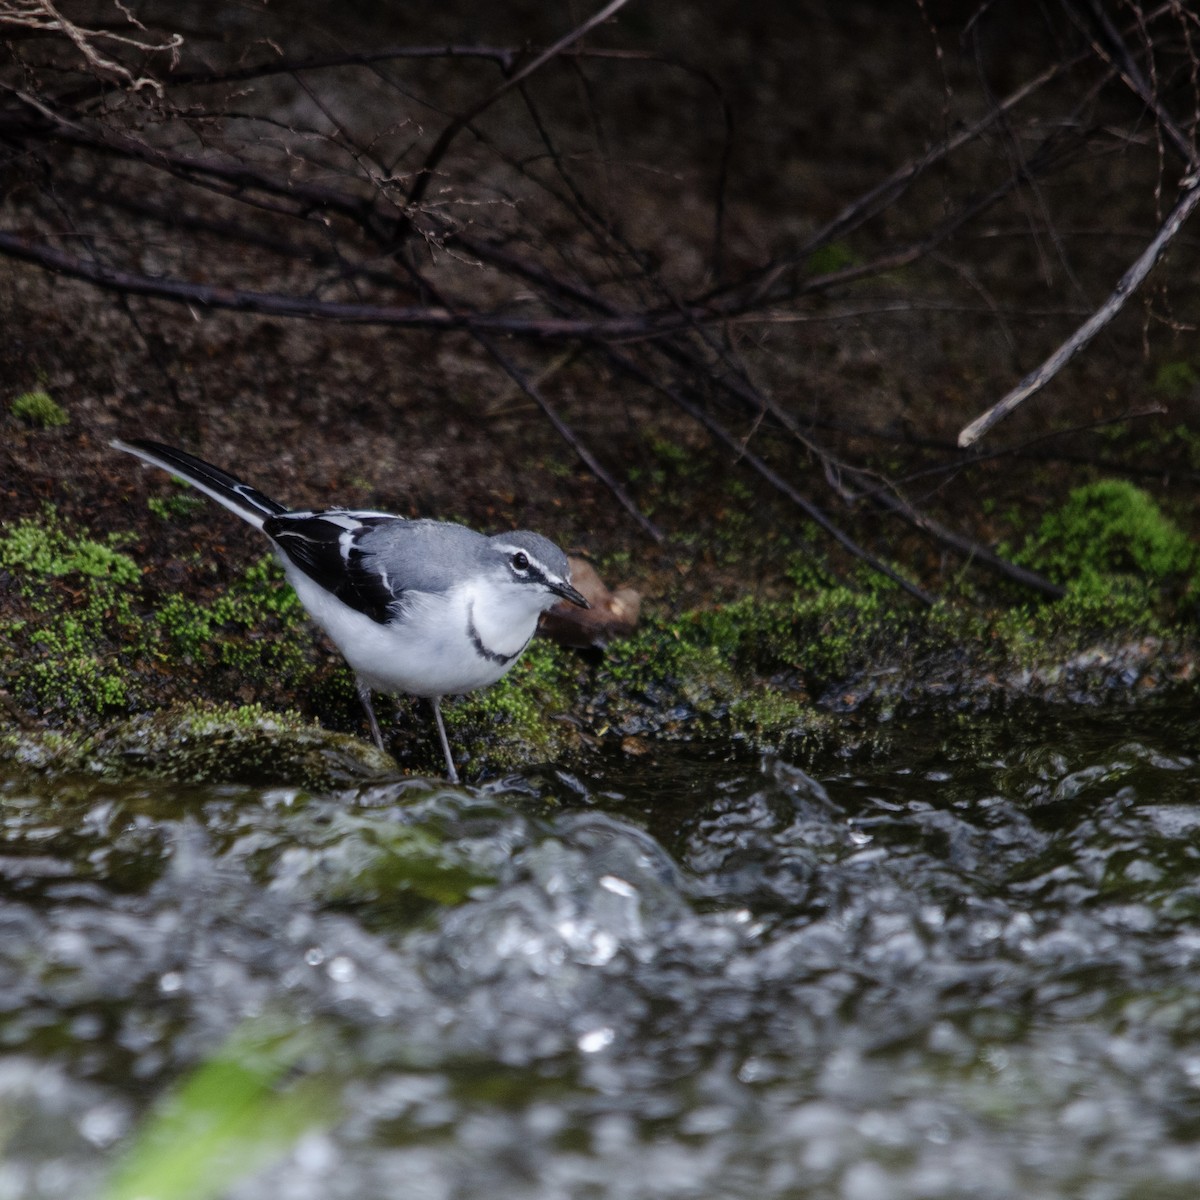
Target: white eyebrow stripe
{"x":534,"y":561}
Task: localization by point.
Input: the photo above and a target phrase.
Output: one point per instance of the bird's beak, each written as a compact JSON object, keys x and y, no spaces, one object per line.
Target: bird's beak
{"x":567,"y":592}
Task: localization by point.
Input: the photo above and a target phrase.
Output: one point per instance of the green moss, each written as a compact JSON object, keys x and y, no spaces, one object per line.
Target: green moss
{"x":768,"y":719}
{"x":807,"y":574}
{"x":662,"y":665}
{"x":256,"y":627}
{"x":77,"y":646}
{"x":84,"y":636}
{"x":42,"y":750}
{"x":1093,"y":609}
{"x":747,"y":669}
{"x":523,"y":715}
{"x":75,"y":592}
{"x":75,"y":683}
{"x":1117,"y":554}
{"x":171,"y":508}
{"x":204,"y":743}
{"x":33,"y":551}
{"x":39,"y":409}
{"x":1175,"y":380}
{"x":834,"y":257}
{"x":205,"y":719}
{"x":828,"y":634}
{"x":673,"y":453}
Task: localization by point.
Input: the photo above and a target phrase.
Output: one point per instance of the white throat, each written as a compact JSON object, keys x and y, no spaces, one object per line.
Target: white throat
{"x":502,"y":618}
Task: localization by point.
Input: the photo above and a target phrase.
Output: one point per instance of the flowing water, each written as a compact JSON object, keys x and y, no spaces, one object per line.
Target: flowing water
{"x":966,"y":964}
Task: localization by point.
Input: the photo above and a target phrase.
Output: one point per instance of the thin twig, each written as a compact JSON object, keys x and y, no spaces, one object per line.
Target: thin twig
{"x":563,"y":430}
{"x":1126,"y":286}
{"x":569,"y":436}
{"x":970,"y":549}
{"x":757,"y":284}
{"x":885,"y":496}
{"x":624,"y":363}
{"x":1114,"y":51}
{"x":461,"y":122}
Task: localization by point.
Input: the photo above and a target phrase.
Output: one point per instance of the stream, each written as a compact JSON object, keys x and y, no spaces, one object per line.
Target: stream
{"x":963,"y":964}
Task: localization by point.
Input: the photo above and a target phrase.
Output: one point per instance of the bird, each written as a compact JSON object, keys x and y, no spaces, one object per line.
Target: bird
{"x":428,"y":608}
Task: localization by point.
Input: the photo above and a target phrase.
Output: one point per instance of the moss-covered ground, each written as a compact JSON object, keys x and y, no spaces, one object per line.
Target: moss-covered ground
{"x":107,"y":668}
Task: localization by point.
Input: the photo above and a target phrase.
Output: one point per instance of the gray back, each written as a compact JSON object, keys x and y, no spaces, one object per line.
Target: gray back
{"x":426,"y":556}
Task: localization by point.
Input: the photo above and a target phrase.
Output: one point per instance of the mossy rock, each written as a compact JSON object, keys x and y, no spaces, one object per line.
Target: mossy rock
{"x":44,"y":751}
{"x":226,"y":744}
{"x":1108,"y":529}
{"x":195,"y":744}
{"x":522,"y":718}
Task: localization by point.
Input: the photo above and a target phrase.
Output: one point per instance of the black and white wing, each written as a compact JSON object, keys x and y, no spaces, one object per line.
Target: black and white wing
{"x":327,"y":547}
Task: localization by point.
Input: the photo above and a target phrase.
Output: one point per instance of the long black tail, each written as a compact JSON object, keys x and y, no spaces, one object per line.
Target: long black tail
{"x":249,"y":503}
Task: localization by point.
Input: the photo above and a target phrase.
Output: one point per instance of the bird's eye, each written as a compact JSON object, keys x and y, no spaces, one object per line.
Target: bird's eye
{"x":520,"y":561}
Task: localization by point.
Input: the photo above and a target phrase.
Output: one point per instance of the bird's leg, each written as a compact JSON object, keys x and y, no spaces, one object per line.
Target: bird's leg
{"x":451,"y":773}
{"x":364,"y":694}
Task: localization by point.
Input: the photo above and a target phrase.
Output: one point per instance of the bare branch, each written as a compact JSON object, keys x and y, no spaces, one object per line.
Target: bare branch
{"x":1112,"y":49}
{"x":44,"y":16}
{"x":276,"y":304}
{"x":569,"y":436}
{"x":447,"y":136}
{"x":813,"y":512}
{"x":1126,"y":286}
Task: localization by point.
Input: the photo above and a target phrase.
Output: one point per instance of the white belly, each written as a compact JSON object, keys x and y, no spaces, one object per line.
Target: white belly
{"x":432,"y":655}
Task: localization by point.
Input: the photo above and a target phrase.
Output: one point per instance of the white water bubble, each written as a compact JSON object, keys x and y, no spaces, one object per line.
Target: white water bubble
{"x":596,"y":1040}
